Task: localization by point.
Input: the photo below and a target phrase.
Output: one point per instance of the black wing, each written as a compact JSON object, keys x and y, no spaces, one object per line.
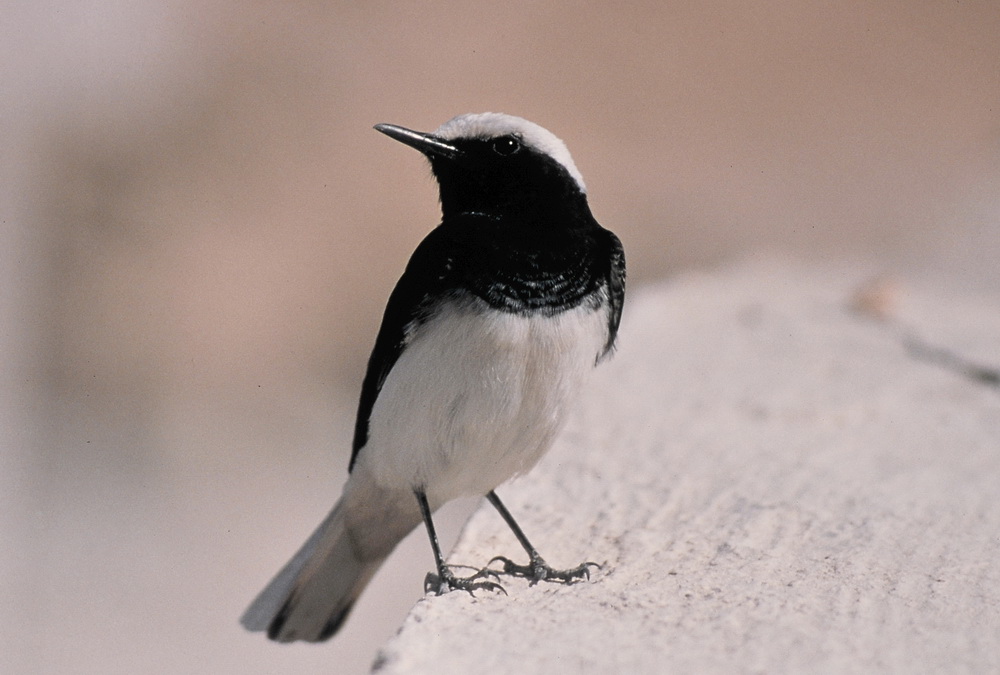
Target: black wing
{"x":425,"y":278}
{"x":616,"y":289}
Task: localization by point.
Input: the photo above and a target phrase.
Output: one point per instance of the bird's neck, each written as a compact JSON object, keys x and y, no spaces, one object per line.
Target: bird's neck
{"x":540,"y":219}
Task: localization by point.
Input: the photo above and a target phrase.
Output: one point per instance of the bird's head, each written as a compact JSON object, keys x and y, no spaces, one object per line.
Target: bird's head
{"x":500,"y":166}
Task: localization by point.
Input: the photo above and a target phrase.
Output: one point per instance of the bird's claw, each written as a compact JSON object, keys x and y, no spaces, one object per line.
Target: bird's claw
{"x":538,"y":570}
{"x":446,"y":581}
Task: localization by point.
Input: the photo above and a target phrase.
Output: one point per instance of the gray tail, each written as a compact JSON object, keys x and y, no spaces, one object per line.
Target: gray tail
{"x":312,"y":595}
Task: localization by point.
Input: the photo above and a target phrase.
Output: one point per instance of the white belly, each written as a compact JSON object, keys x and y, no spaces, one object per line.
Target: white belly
{"x":477,"y":398}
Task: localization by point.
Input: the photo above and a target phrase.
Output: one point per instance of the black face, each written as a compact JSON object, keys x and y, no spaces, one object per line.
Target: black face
{"x":505,"y":178}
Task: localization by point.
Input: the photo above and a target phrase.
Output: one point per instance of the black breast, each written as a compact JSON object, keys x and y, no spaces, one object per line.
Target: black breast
{"x":530,"y":271}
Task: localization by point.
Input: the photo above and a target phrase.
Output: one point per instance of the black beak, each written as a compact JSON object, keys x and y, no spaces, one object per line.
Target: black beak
{"x":425,"y":143}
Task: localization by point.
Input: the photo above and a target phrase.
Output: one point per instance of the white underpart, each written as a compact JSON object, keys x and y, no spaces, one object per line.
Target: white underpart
{"x":492,"y":125}
{"x":477,"y":397}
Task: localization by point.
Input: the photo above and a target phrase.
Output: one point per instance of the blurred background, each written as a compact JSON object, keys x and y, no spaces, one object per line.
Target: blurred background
{"x":200,"y":229}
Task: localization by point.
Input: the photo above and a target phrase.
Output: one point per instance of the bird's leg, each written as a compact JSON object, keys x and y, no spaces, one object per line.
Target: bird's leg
{"x":537,"y":569}
{"x":445,"y":580}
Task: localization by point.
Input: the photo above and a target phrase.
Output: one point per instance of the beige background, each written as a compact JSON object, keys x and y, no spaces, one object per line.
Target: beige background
{"x":200,"y":229}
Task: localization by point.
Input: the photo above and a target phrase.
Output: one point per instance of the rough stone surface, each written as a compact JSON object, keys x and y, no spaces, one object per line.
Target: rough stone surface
{"x":771,"y":480}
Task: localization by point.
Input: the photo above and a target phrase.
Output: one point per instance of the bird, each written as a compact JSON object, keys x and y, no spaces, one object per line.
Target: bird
{"x":500,"y":315}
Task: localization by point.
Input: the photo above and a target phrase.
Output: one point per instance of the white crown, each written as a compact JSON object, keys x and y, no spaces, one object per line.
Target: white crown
{"x":491,"y":125}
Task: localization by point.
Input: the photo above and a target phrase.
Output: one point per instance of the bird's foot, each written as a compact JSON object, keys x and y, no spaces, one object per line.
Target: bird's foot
{"x":445,"y":581}
{"x":538,"y":570}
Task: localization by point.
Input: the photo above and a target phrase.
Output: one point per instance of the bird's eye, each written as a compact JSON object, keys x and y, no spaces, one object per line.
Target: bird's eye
{"x":506,"y":146}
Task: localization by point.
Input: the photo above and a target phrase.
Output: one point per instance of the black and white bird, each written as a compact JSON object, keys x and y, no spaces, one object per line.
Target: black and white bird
{"x":502,"y":312}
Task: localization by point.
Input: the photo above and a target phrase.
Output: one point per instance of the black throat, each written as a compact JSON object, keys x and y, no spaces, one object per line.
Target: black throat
{"x":517,"y":230}
{"x":527,"y":267}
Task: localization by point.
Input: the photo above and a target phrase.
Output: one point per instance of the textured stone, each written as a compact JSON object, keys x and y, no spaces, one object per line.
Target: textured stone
{"x":772,"y":481}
